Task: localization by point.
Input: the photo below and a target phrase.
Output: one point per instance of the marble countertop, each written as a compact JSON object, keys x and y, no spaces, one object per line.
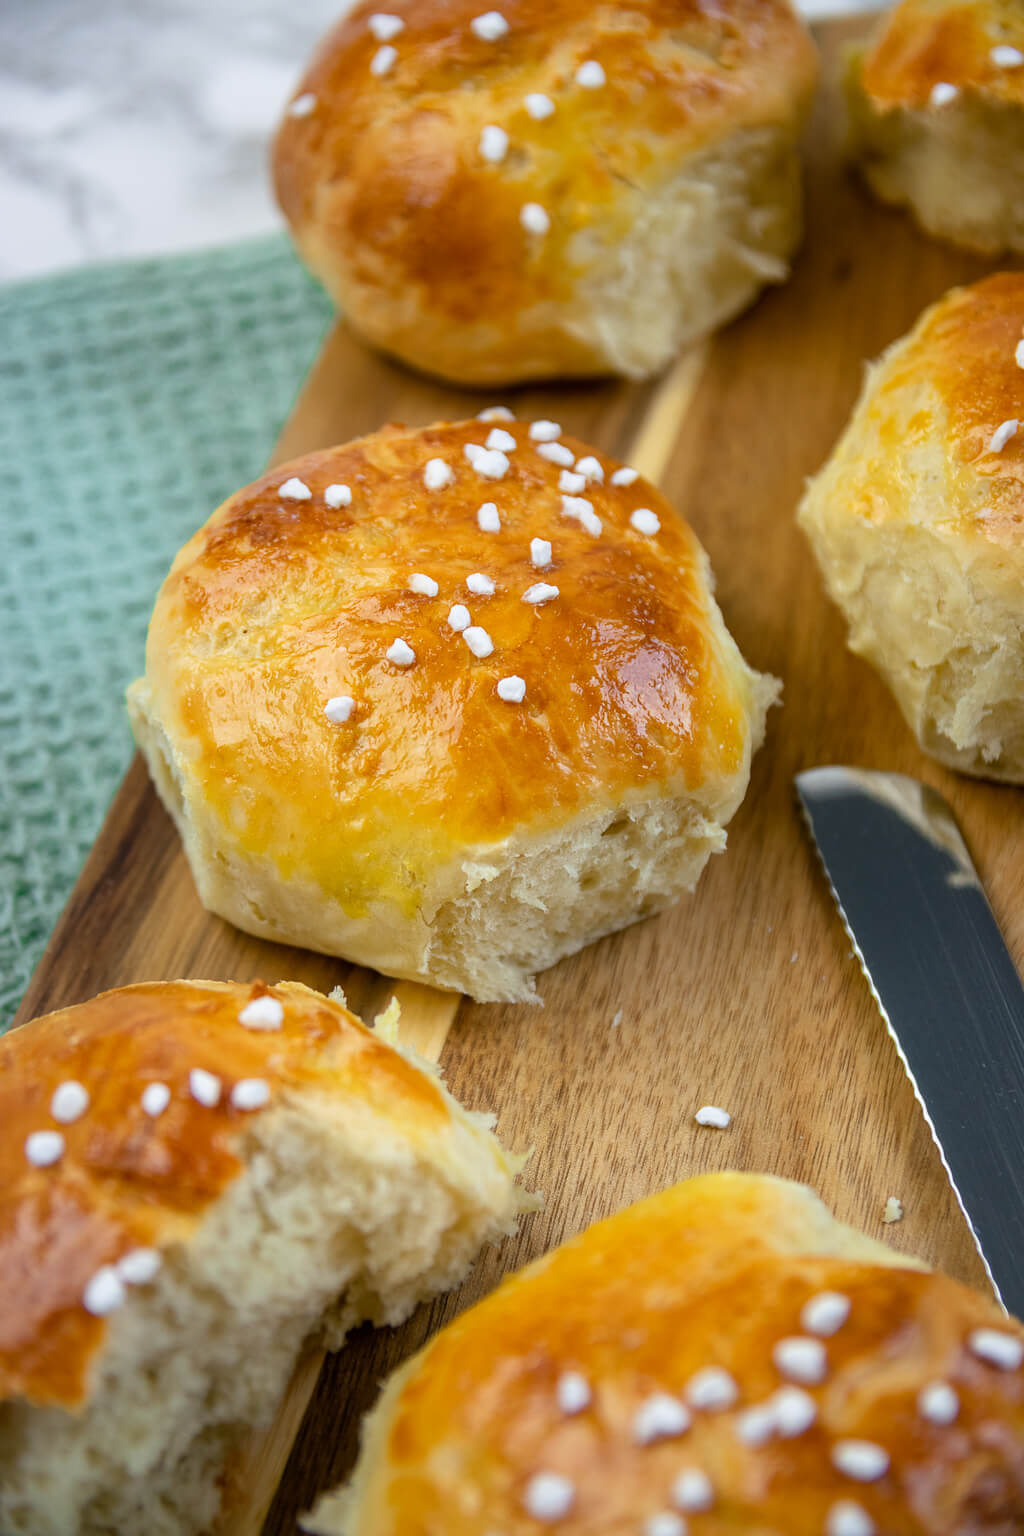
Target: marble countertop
{"x":130,"y":130}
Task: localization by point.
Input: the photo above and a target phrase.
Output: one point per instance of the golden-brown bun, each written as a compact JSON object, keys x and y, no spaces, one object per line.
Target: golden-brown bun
{"x":937,"y":117}
{"x":712,"y":1274}
{"x":918,"y":526}
{"x":442,"y":832}
{"x":671,"y":190}
{"x":360,"y":1188}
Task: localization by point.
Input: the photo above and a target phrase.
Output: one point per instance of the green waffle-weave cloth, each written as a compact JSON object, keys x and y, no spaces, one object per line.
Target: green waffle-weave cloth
{"x":133,"y":399}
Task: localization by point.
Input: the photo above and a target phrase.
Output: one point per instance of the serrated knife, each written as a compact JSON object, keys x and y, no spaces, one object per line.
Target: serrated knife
{"x":945,"y":984}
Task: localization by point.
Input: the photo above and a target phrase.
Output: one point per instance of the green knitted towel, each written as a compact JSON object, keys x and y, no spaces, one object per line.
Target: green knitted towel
{"x":133,"y":399}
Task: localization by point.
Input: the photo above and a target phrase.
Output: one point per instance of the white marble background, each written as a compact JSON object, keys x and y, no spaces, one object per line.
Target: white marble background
{"x":136,"y":127}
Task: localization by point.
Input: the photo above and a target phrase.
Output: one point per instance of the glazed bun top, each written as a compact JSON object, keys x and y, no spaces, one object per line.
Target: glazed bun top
{"x":380,"y":656}
{"x":722,"y":1358}
{"x":122,"y":1120}
{"x":974,"y":45}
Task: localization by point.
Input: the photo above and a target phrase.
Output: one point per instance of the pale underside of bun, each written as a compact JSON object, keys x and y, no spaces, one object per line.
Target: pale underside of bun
{"x":335,"y":1220}
{"x":959,"y":168}
{"x":675,"y":262}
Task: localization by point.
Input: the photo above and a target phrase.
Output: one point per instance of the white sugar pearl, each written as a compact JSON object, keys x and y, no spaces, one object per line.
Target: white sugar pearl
{"x":862,"y":1460}
{"x":400,"y":653}
{"x":660,"y":1417}
{"x":458,"y":617}
{"x":938,"y":1403}
{"x":590,"y":75}
{"x":491,"y":463}
{"x":825,"y":1313}
{"x":848,"y":1519}
{"x":424,"y":586}
{"x":692,"y":1491}
{"x":942,"y":94}
{"x":339,"y":708}
{"x":540,"y":592}
{"x":556,"y":453}
{"x":383,"y":60}
{"x":500,"y":439}
{"x":155,"y":1099}
{"x":625,"y":475}
{"x":303,"y":105}
{"x":490,"y":26}
{"x":250,"y":1093}
{"x":338,"y":496}
{"x":496,"y":413}
{"x":437,"y":474}
{"x":479,"y":584}
{"x":538,"y":105}
{"x":262,"y":1013}
{"x":710,"y":1114}
{"x":711,"y":1389}
{"x":384,"y":26}
{"x":794,"y":1411}
{"x":140,"y":1266}
{"x":478,"y":640}
{"x":589,"y":467}
{"x":801,"y":1360}
{"x":43,"y":1148}
{"x":996,"y":1348}
{"x":1019,"y":354}
{"x":644,"y":521}
{"x":592,"y":523}
{"x":664,"y":1524}
{"x":756,"y":1426}
{"x":69,"y":1103}
{"x":548,"y":1496}
{"x":573,"y":1390}
{"x":204,"y":1087}
{"x":582,"y":510}
{"x":1005,"y":57}
{"x":535,"y":219}
{"x":494,"y":144}
{"x":512,"y":689}
{"x":294,"y":489}
{"x":487,"y":518}
{"x":104,"y":1292}
{"x":545,"y":432}
{"x":1001,"y":436}
{"x":571,"y":482}
{"x":540,"y":552}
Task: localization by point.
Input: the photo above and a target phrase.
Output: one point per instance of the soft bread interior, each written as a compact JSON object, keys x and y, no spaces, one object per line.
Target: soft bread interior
{"x":336,"y":1219}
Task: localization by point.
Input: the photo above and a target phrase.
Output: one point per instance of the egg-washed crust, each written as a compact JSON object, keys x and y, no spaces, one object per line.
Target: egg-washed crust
{"x":924,"y":43}
{"x":714,"y":1271}
{"x":128,"y":1180}
{"x":633,"y":686}
{"x":389,"y":196}
{"x":948,"y":385}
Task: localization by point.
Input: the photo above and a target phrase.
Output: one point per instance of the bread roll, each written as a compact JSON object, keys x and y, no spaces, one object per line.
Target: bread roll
{"x":549,"y":189}
{"x":199,"y":1177}
{"x":937,"y":117}
{"x":917,"y":520}
{"x":446,"y":709}
{"x":721,"y":1360}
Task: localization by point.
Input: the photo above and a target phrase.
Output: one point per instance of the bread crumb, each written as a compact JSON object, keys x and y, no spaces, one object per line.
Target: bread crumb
{"x":893,"y":1210}
{"x":386,"y":1023}
{"x":710,"y":1114}
{"x":617,"y":1019}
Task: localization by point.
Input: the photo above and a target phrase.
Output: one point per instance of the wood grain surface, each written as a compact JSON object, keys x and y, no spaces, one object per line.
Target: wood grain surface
{"x":745,"y":995}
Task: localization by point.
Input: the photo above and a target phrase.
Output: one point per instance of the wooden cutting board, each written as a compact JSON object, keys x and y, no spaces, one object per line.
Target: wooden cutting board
{"x":745,"y":995}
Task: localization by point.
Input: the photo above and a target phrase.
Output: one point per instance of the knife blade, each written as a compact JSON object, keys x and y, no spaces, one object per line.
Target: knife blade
{"x":948,"y":991}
